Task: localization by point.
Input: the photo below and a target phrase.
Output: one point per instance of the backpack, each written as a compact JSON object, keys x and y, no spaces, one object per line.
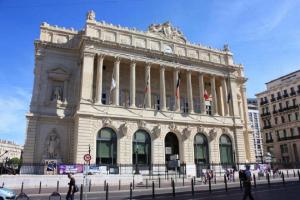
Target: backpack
{"x":76,"y":188}
{"x":242,"y":175}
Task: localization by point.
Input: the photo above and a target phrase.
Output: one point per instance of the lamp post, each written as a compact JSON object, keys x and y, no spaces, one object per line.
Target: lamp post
{"x":136,"y":159}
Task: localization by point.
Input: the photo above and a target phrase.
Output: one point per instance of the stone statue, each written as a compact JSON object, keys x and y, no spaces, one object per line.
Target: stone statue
{"x":57,"y":93}
{"x":91,"y":15}
{"x":52,"y":145}
{"x":167,"y":30}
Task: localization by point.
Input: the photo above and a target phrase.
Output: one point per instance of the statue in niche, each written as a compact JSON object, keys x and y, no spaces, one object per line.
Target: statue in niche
{"x":57,"y":93}
{"x":52,"y":145}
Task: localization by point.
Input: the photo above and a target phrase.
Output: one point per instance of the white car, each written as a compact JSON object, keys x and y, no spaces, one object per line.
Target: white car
{"x":6,"y":193}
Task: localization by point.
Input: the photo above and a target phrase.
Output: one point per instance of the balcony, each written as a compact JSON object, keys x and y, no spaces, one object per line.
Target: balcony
{"x":275,"y":112}
{"x":267,"y":127}
{"x":285,"y":95}
{"x":293,"y":93}
{"x":264,"y":102}
{"x":289,"y":138}
{"x":298,"y":91}
{"x":273,"y":99}
{"x":293,"y":107}
{"x":265,"y":114}
{"x":269,"y":140}
{"x":279,"y":97}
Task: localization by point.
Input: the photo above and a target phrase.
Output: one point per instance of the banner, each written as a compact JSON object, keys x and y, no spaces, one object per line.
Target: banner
{"x":64,"y":169}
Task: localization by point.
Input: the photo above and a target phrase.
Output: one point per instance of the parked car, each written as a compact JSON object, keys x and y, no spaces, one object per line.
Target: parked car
{"x":6,"y":193}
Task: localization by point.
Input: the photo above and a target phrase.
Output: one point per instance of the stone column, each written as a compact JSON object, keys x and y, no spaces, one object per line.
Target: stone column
{"x":117,"y":79}
{"x":87,"y":77}
{"x":65,"y":91}
{"x":99,"y":78}
{"x":214,"y":95}
{"x":225,"y":97}
{"x":162,"y":89}
{"x":132,"y":84}
{"x":189,"y":90}
{"x":201,"y":94}
{"x":177,"y":99}
{"x":148,"y":85}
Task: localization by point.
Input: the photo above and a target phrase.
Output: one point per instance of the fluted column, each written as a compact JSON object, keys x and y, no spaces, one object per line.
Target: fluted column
{"x":214,"y":95}
{"x":132,"y":84}
{"x":162,"y":89}
{"x":201,"y":93}
{"x":148,"y":85}
{"x":225,"y":97}
{"x":177,"y":98}
{"x":87,"y":77}
{"x":99,"y":78}
{"x":190,"y":91}
{"x":117,"y":79}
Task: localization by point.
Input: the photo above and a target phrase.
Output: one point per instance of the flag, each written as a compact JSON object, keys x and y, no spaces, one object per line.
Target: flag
{"x":206,"y":97}
{"x":177,"y":87}
{"x":147,"y":83}
{"x":113,"y":81}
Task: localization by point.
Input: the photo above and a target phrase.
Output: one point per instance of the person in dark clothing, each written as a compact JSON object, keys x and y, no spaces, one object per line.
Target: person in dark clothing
{"x":247,"y":184}
{"x":71,"y":191}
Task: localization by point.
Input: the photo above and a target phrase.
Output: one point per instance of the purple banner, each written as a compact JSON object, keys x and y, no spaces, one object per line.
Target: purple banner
{"x":63,"y":169}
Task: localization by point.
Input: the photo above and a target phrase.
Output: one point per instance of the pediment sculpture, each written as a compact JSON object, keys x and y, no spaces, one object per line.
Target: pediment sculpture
{"x":166,"y":30}
{"x":91,"y":15}
{"x":124,"y":129}
{"x":52,"y":145}
{"x":212,"y":134}
{"x":173,"y":127}
{"x":157,"y":131}
{"x":141,"y":124}
{"x":186,"y":133}
{"x":200,"y":129}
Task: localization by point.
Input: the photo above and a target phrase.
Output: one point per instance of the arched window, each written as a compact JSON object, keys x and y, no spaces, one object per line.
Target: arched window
{"x":141,"y":148}
{"x":201,"y":149}
{"x":226,"y":150}
{"x":106,"y":152}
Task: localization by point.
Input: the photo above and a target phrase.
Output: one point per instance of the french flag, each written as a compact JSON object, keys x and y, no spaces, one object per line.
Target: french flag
{"x":177,"y":87}
{"x":206,"y":97}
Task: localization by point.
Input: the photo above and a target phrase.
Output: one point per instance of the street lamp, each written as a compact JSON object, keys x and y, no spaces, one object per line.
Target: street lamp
{"x":136,"y":159}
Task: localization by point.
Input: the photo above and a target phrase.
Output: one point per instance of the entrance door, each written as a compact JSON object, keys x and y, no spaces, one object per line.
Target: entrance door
{"x":171,"y":146}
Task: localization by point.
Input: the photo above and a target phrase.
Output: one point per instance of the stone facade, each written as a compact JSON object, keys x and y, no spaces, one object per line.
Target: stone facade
{"x":279,"y":117}
{"x":9,"y":150}
{"x":125,"y":79}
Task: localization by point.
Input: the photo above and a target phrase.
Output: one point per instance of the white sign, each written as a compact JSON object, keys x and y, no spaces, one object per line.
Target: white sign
{"x":168,"y":150}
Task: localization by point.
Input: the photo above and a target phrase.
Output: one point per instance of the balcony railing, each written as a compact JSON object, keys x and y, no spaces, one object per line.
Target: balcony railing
{"x":265,"y":114}
{"x":267,"y":127}
{"x":285,"y":95}
{"x":293,"y":93}
{"x":279,"y":97}
{"x":288,"y":138}
{"x":264,"y":102}
{"x":273,"y":99}
{"x":269,"y":140}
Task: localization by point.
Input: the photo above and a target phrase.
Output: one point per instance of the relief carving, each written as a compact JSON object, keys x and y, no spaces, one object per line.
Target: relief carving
{"x":186,"y":133}
{"x":52,"y":146}
{"x":157,"y":131}
{"x":124,"y":129}
{"x":141,"y":124}
{"x":173,"y":127}
{"x":212,"y":134}
{"x":57,"y":93}
{"x":106,"y":122}
{"x":168,"y":31}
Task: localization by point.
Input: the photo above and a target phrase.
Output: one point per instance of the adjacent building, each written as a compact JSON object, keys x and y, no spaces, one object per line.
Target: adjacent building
{"x":255,"y":125}
{"x":279,"y":117}
{"x":135,"y":97}
{"x":8,"y":150}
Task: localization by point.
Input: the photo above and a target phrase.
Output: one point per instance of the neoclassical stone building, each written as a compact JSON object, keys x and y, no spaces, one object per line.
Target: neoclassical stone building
{"x":135,"y":97}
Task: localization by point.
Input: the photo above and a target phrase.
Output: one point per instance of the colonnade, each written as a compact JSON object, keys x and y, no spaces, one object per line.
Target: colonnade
{"x":87,"y":85}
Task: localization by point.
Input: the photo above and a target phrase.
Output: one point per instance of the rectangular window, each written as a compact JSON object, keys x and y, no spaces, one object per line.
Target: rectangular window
{"x":282,"y":119}
{"x":274,"y":107}
{"x":280,"y":106}
{"x":289,"y":117}
{"x":276,"y":120}
{"x":296,"y":116}
{"x":292,"y":132}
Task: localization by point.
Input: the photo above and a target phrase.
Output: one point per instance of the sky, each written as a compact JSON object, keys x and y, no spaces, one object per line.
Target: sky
{"x":263,"y":35}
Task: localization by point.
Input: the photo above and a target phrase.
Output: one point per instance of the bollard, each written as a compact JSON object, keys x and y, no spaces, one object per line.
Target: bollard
{"x":294,"y":173}
{"x":182,"y":180}
{"x":106,"y":192}
{"x":119,"y":184}
{"x":254,"y":180}
{"x":283,"y":181}
{"x":298,"y":176}
{"x":194,"y":180}
{"x":146,"y":183}
{"x":173,"y":188}
{"x":192,"y":184}
{"x":287,"y":173}
{"x":40,"y":188}
{"x":225,"y":181}
{"x":130,"y":189}
{"x":22,"y":187}
{"x":90,"y":185}
{"x":209,"y":184}
{"x":153,"y":192}
{"x":81,"y":192}
{"x":159,"y":182}
{"x":104,"y":184}
{"x":57,"y":186}
{"x":268,"y":178}
{"x":215,"y":179}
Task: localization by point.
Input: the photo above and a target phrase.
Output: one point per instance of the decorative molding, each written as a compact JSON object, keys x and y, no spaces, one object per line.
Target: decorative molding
{"x":124,"y":129}
{"x":141,"y":124}
{"x":200,"y":129}
{"x":212,"y":134}
{"x":173,"y":127}
{"x":157,"y":131}
{"x":107,"y":122}
{"x":166,"y":30}
{"x":186,"y":132}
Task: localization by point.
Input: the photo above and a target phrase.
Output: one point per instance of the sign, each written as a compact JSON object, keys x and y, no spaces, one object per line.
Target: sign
{"x":87,"y":157}
{"x":168,"y":150}
{"x":64,"y":169}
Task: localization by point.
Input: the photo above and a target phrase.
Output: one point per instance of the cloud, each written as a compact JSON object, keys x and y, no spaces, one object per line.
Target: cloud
{"x":14,"y":104}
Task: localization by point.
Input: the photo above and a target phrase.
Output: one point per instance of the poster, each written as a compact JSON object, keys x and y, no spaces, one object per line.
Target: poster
{"x":64,"y":169}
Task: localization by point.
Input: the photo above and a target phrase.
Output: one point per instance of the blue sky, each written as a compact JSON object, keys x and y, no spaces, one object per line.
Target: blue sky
{"x":264,"y":36}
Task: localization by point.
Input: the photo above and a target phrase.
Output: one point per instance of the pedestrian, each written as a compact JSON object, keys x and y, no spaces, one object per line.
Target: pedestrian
{"x":71,"y":191}
{"x":247,"y":183}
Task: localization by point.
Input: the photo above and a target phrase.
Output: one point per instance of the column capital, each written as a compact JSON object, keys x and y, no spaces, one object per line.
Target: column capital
{"x":88,"y":54}
{"x":117,"y":59}
{"x":148,"y":64}
{"x":132,"y":61}
{"x":100,"y":55}
{"x":162,"y":67}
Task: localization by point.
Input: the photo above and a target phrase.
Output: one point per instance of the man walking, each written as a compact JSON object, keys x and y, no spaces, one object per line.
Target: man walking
{"x":247,"y":183}
{"x":71,"y":191}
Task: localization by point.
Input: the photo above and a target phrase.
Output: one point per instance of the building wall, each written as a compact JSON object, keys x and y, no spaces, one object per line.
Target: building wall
{"x":13,"y":150}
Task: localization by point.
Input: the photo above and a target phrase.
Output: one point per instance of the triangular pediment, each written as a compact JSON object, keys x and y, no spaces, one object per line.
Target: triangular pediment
{"x":58,"y":70}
